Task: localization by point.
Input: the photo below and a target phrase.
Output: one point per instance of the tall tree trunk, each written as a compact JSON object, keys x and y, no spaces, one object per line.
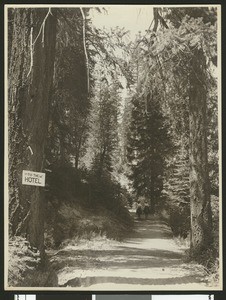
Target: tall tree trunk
{"x":30,"y":78}
{"x":201,"y":222}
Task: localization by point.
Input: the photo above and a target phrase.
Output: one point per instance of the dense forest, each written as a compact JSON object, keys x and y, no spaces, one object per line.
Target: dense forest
{"x":112,"y":121}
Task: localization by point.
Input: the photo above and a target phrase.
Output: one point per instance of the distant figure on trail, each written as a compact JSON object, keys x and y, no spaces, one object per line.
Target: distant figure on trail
{"x":139,"y":210}
{"x":146,"y":210}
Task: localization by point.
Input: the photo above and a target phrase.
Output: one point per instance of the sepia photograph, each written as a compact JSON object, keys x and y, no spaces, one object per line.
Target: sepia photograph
{"x":112,"y":148}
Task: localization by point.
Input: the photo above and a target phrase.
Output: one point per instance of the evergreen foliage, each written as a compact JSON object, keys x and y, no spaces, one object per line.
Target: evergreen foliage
{"x":149,"y":145}
{"x":105,"y":124}
{"x":70,"y":103}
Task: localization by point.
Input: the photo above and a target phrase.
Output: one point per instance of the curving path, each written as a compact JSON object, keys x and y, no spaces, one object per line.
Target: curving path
{"x":148,"y":260}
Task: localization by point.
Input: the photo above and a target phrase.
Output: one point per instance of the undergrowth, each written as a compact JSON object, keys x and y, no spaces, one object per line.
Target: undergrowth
{"x":21,"y":259}
{"x":179,"y":220}
{"x":25,"y":267}
{"x":79,"y":205}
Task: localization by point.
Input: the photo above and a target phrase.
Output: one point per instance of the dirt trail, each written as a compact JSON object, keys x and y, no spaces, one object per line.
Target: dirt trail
{"x":149,"y":260}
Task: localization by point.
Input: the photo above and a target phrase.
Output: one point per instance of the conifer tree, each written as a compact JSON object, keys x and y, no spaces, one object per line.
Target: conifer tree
{"x":186,"y":51}
{"x":103,"y":140}
{"x":148,"y":146}
{"x":30,"y":75}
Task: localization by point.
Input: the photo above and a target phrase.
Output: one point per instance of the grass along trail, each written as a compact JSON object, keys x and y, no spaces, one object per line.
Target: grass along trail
{"x":148,"y":260}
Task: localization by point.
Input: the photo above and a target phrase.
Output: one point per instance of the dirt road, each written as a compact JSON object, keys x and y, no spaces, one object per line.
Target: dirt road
{"x":149,"y":260}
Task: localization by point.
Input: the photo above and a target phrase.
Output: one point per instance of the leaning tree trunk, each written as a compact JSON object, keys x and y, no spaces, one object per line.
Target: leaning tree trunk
{"x":30,"y":75}
{"x":201,"y":218}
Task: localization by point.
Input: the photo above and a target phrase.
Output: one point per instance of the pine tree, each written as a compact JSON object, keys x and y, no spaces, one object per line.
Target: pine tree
{"x":148,"y":146}
{"x":70,"y":105}
{"x":104,"y":139}
{"x":30,"y":75}
{"x":201,"y":48}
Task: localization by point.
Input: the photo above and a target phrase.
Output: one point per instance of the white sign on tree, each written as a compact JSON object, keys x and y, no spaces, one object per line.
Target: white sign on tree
{"x":33,"y":178}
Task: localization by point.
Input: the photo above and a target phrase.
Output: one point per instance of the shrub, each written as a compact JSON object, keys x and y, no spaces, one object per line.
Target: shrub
{"x":25,"y":267}
{"x":178,"y":217}
{"x":78,"y":202}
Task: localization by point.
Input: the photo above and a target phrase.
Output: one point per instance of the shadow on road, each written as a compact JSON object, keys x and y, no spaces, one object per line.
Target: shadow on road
{"x":148,"y":257}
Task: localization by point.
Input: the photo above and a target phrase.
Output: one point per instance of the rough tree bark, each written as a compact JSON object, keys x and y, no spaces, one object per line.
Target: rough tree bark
{"x":30,"y":75}
{"x":201,"y":217}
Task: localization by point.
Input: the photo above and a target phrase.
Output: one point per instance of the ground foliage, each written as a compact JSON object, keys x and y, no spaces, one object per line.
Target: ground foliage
{"x":79,"y":204}
{"x":26,"y":268}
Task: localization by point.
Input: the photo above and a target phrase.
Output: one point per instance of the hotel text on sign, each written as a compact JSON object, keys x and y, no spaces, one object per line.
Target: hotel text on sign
{"x":33,"y":178}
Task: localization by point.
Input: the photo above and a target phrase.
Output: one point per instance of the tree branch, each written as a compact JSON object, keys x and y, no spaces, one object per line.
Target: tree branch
{"x":84,"y":44}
